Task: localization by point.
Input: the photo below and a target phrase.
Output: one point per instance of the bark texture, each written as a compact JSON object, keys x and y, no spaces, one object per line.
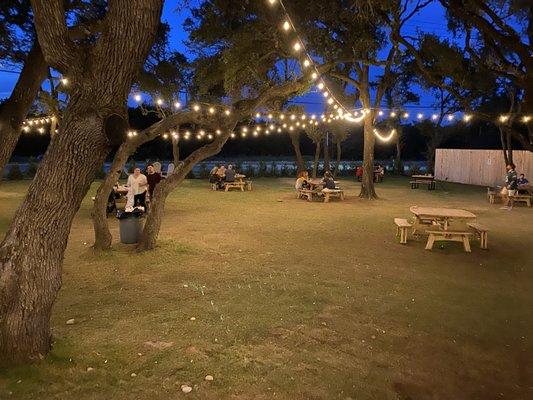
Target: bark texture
{"x":16,"y":107}
{"x":367,"y":184}
{"x":295,"y":140}
{"x":317,"y":158}
{"x":32,"y":252}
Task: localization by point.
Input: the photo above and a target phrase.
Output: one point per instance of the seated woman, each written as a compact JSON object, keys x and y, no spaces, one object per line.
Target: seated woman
{"x":328,"y":181}
{"x":213,"y":177}
{"x":302,"y":181}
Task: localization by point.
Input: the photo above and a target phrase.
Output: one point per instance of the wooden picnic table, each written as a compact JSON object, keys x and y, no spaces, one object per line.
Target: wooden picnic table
{"x":439,"y":220}
{"x":526,"y":188}
{"x":423,"y":177}
{"x":314,"y":183}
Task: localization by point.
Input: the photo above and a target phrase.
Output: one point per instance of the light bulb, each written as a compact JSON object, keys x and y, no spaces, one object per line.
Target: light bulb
{"x":286,"y":25}
{"x":138,"y":98}
{"x":307,"y":63}
{"x":297,"y":46}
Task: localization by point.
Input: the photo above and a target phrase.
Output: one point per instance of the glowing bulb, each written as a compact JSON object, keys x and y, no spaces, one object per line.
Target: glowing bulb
{"x":232,"y":135}
{"x":320,"y":85}
{"x":256,"y":133}
{"x":307,"y":63}
{"x":64,"y":81}
{"x":504,"y":118}
{"x":293,"y":117}
{"x":165,"y":136}
{"x":211,"y":110}
{"x":450,"y":117}
{"x":258,"y":115}
{"x":420,"y":115}
{"x":330,"y":101}
{"x":297,"y":46}
{"x":227,"y":112}
{"x":326,"y":94}
{"x":526,"y":118}
{"x":177,"y":104}
{"x":218,"y":132}
{"x":269,"y":116}
{"x":405,"y":115}
{"x":159,"y":102}
{"x":314,"y":76}
{"x":196,"y":107}
{"x":467,"y":117}
{"x":393,"y":114}
{"x":210,"y":137}
{"x":313,"y":116}
{"x":138,"y":98}
{"x":282,"y":116}
{"x":286,"y":25}
{"x":380,"y":112}
{"x":434,"y":117}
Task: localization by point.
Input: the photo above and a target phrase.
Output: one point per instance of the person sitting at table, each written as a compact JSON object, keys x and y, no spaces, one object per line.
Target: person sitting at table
{"x":328,"y":181}
{"x":302,"y":182}
{"x":138,"y":185}
{"x":213,"y":177}
{"x":153,"y":177}
{"x":522,"y":180}
{"x":359,"y":173}
{"x":230,"y":174}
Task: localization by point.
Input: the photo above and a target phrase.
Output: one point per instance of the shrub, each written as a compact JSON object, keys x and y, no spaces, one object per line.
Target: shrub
{"x":15,"y":174}
{"x":250,"y":173}
{"x":262,"y":171}
{"x":32,"y":169}
{"x":273,"y":169}
{"x":204,"y":172}
{"x":100,"y":174}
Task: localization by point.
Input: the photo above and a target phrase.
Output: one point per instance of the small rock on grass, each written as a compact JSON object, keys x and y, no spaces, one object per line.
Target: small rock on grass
{"x":186,"y":389}
{"x":209,"y":377}
{"x":71,"y":321}
{"x":133,"y":375}
{"x":90,"y":369}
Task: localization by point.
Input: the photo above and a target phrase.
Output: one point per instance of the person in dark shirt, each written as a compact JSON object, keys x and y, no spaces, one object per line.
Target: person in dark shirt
{"x":328,"y":181}
{"x":511,"y":183}
{"x":153,"y":179}
{"x":230,"y":174}
{"x":522,"y":180}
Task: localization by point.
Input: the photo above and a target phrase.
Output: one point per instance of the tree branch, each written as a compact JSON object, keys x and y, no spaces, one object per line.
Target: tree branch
{"x":59,"y":51}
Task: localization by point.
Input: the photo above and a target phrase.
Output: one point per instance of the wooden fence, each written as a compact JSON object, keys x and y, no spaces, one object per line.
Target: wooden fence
{"x":479,"y":167}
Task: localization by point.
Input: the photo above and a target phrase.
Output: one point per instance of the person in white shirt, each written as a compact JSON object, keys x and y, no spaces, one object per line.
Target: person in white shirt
{"x":138,"y":184}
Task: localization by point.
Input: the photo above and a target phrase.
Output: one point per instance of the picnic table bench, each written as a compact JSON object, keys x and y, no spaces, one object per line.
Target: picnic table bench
{"x":481,"y":232}
{"x":315,"y":191}
{"x":417,"y":180}
{"x":440,"y":219}
{"x":402,"y":225}
{"x":234,"y":185}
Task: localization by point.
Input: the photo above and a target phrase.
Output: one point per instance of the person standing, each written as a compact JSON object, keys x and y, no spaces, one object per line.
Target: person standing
{"x":153,"y":177}
{"x":138,"y":184}
{"x":511,"y":184}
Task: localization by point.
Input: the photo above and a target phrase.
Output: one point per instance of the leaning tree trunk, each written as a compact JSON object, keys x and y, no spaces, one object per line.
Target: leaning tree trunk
{"x":317,"y":159}
{"x":338,"y":159}
{"x":102,"y":235}
{"x":295,"y":140}
{"x":367,"y":184}
{"x":16,"y":107}
{"x":31,"y":254}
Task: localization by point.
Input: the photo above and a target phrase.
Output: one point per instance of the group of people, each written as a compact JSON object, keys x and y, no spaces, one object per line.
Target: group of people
{"x":139,"y":185}
{"x":302,"y":181}
{"x":220,"y":174}
{"x":513,"y":182}
{"x":379,"y":172}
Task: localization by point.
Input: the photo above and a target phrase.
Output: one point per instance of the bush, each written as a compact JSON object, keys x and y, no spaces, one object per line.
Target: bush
{"x":262,"y":171}
{"x":204,"y":172}
{"x":15,"y":174}
{"x":100,"y":174}
{"x":32,"y":169}
{"x":273,"y":169}
{"x":250,"y":173}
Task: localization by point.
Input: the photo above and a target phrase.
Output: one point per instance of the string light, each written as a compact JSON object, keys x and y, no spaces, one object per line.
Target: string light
{"x":503,"y":118}
{"x":138,"y":98}
{"x":177,"y":104}
{"x":526,"y":119}
{"x":286,"y":25}
{"x":385,"y":138}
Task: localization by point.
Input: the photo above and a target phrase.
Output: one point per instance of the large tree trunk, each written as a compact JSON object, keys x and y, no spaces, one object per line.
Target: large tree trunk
{"x":32,"y":251}
{"x":317,"y":159}
{"x":367,"y":184}
{"x":295,"y":140}
{"x":326,"y":154}
{"x":398,"y":164}
{"x":16,"y":107}
{"x":336,"y":171}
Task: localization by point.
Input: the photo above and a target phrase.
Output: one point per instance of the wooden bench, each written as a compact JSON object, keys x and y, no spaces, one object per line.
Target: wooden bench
{"x":330,"y":193}
{"x":492,"y":194}
{"x":234,"y":185}
{"x":481,"y":232}
{"x":525,"y":198}
{"x":214,"y":186}
{"x":415,"y":184}
{"x":308,"y":194}
{"x":449,"y":236}
{"x":402,"y":225}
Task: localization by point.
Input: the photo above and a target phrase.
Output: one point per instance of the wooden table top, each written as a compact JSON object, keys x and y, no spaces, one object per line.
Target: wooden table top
{"x":438,"y":212}
{"x":423,"y":176}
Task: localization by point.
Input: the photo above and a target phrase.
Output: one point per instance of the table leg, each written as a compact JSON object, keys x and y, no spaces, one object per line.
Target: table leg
{"x":431,"y":241}
{"x":466,"y":244}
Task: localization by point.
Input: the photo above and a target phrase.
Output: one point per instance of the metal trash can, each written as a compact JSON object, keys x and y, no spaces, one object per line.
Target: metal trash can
{"x":131,"y":227}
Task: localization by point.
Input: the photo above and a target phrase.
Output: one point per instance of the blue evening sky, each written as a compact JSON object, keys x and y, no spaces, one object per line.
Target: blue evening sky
{"x":432,"y":19}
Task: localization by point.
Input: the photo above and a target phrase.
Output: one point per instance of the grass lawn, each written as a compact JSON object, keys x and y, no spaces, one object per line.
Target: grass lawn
{"x":278,"y":298}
